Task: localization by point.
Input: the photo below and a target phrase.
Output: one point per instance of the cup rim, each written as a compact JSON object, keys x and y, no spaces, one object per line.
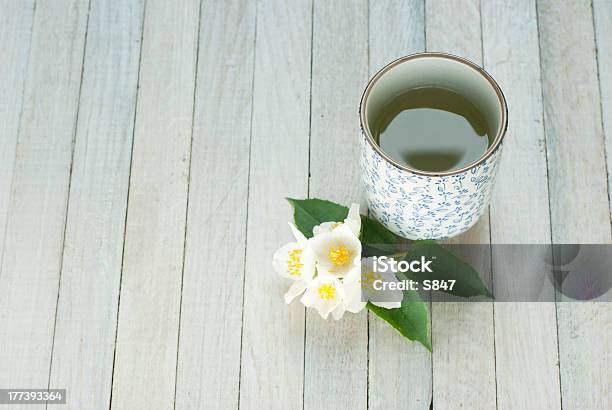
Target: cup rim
{"x":363,"y":122}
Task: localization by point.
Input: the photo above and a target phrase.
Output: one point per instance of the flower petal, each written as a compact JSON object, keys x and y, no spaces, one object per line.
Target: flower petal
{"x":353,"y":275}
{"x":325,"y":227}
{"x":353,"y":220}
{"x":296,"y":289}
{"x":338,"y":312}
{"x":299,"y":236}
{"x":353,"y":302}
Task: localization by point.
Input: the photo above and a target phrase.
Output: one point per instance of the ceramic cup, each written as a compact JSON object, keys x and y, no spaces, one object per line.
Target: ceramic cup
{"x":418,"y":204}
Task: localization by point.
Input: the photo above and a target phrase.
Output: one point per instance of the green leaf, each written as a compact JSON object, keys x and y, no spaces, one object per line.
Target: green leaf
{"x":445,"y":265}
{"x":376,"y":239}
{"x":410,"y":319}
{"x":308,"y":213}
{"x":375,"y":233}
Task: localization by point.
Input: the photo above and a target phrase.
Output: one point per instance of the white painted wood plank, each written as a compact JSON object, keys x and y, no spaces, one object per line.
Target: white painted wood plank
{"x":37,"y":208}
{"x":580,"y":210}
{"x":525,"y":333}
{"x":462,"y":332}
{"x":577,"y":172}
{"x":273,"y":334}
{"x":211,"y":313}
{"x":336,"y":352}
{"x":148,"y":321}
{"x":602,"y":15}
{"x":86,"y":320}
{"x":396,"y":29}
{"x":15,"y":34}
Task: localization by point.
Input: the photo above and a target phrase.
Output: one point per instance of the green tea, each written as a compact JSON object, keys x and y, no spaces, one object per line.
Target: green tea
{"x":432,"y":129}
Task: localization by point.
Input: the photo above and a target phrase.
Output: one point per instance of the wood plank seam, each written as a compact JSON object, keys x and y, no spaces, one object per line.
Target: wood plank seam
{"x":482,"y":56}
{"x":74,"y":133}
{"x":549,"y":189}
{"x":127,"y":200}
{"x":431,"y":340}
{"x":601,"y":117}
{"x":312,"y":3}
{"x":367,"y":312}
{"x":246,"y":222}
{"x":195,"y":87}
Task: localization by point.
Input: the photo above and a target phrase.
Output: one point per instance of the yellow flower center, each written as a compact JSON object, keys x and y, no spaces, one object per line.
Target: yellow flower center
{"x":327,"y":291}
{"x":367,"y":279}
{"x":294,"y":262}
{"x":339,"y":255}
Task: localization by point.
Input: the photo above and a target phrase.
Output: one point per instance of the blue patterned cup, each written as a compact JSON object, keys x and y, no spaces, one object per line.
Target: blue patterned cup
{"x":419,"y":204}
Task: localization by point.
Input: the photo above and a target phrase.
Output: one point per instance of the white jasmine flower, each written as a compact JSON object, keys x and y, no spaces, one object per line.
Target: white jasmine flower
{"x":353,"y":220}
{"x":325,"y":292}
{"x":368,"y":277}
{"x":295,"y":261}
{"x":338,"y":251}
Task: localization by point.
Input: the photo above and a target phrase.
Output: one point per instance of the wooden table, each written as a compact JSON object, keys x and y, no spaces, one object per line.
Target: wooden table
{"x":145,"y":150}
